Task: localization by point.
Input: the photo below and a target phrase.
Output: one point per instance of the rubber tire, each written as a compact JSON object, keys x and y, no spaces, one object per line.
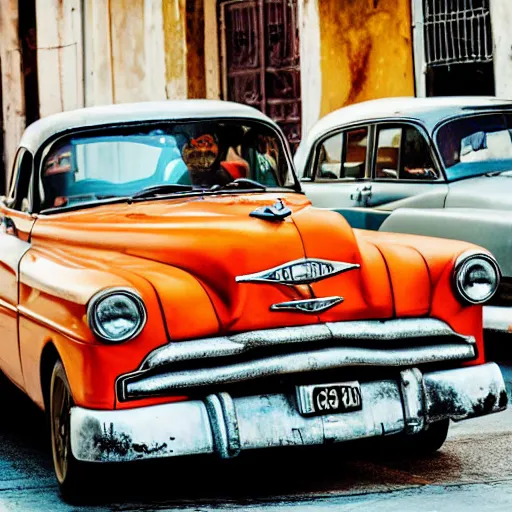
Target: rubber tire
{"x":77,"y":479}
{"x":426,"y":442}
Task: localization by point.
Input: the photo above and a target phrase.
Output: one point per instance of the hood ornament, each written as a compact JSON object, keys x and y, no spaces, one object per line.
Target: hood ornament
{"x":278,"y":211}
{"x":303,"y":271}
{"x":307,"y":305}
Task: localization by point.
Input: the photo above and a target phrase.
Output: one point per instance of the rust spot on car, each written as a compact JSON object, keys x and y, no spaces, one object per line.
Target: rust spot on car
{"x":113,"y":443}
{"x":448,"y":403}
{"x":503,"y":399}
{"x":486,"y":405}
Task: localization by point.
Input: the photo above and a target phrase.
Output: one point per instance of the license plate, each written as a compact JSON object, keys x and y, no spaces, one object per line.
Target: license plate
{"x":333,"y":398}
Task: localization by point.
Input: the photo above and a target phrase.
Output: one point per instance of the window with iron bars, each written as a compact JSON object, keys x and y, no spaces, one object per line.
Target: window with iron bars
{"x":457,"y":32}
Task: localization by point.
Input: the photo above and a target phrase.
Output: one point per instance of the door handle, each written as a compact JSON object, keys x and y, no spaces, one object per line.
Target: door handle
{"x":361,"y":192}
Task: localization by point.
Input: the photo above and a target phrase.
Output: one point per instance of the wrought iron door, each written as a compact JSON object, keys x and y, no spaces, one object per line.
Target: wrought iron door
{"x":260,"y":59}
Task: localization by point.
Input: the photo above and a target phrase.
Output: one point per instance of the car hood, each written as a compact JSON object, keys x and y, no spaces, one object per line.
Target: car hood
{"x":198,"y":253}
{"x":489,"y":192}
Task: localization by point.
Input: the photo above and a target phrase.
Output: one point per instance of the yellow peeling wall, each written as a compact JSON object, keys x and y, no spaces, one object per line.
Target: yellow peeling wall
{"x":365,"y":51}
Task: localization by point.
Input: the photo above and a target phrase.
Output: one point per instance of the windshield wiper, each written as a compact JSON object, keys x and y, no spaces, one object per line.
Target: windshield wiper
{"x":169,"y":188}
{"x":244,"y":183}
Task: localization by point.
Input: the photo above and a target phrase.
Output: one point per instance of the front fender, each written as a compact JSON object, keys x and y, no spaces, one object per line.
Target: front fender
{"x":54,"y":290}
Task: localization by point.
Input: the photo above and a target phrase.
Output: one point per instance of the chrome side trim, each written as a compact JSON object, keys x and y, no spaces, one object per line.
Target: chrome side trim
{"x":46,"y":322}
{"x":272,"y":420}
{"x":498,"y":319}
{"x":363,"y":330}
{"x":308,"y":305}
{"x":301,"y":271}
{"x":7,"y":305}
{"x":139,"y":386}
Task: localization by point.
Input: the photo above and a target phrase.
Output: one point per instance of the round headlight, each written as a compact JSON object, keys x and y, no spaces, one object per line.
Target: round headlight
{"x":116,"y":315}
{"x":476,"y":277}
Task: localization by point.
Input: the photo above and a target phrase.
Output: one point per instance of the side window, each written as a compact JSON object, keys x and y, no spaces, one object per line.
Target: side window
{"x":416,"y":160}
{"x":403,"y":153}
{"x":329,"y":158}
{"x":356,"y":146}
{"x":388,"y":151}
{"x":20,"y":181}
{"x":343,"y":155}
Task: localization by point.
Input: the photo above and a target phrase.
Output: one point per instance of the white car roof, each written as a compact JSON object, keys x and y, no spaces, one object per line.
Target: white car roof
{"x":40,"y":131}
{"x":429,"y":111}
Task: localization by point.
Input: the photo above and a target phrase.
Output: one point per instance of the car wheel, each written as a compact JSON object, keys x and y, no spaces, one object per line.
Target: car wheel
{"x":426,"y":442}
{"x":72,"y":475}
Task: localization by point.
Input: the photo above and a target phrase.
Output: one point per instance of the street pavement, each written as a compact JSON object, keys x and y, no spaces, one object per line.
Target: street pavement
{"x":473,"y":470}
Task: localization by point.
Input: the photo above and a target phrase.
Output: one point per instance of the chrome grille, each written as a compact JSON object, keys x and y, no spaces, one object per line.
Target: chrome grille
{"x":181,"y":366}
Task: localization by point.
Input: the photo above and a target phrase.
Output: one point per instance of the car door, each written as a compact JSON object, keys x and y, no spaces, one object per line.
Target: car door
{"x":15,"y":226}
{"x":337,"y":175}
{"x":405,"y":171}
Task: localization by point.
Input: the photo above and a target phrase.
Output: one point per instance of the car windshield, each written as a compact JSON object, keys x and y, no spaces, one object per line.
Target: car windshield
{"x":168,"y":158}
{"x":476,"y":144}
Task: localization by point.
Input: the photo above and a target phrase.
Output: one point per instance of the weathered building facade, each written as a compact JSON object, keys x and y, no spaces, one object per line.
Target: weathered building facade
{"x":296,"y":60}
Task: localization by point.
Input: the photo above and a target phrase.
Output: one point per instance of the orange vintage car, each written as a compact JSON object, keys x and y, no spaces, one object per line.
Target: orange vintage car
{"x":166,"y":290}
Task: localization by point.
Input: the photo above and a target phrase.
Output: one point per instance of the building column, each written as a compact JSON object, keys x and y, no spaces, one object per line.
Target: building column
{"x":59,"y":55}
{"x":12,"y":82}
{"x":175,"y":43}
{"x":501,"y":21}
{"x":98,"y":79}
{"x":211,"y":50}
{"x":310,"y":68}
{"x":418,"y":42}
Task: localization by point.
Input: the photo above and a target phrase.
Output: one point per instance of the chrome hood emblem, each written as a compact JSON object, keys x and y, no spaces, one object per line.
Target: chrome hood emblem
{"x":303,"y":271}
{"x":277,"y":212}
{"x":307,"y":305}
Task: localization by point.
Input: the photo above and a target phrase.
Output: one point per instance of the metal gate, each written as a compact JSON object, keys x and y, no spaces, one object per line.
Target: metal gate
{"x":260,"y":59}
{"x":457,"y":32}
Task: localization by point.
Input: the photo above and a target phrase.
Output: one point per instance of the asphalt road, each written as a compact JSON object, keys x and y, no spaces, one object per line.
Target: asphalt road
{"x":473,"y":470}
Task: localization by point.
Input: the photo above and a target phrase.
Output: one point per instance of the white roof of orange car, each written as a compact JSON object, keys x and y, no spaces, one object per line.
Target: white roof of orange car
{"x":40,"y":131}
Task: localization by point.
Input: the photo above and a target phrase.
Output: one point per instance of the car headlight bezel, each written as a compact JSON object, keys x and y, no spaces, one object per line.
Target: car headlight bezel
{"x":95,"y":323}
{"x":461,"y":267}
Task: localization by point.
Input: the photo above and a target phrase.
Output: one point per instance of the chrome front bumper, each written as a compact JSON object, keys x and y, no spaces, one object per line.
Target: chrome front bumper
{"x":498,"y":319}
{"x":224,"y":425}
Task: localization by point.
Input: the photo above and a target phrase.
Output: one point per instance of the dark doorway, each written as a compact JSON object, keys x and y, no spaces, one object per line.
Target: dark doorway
{"x":458,"y":48}
{"x":2,"y":152}
{"x":28,"y":40}
{"x":471,"y":79}
{"x":260,"y":59}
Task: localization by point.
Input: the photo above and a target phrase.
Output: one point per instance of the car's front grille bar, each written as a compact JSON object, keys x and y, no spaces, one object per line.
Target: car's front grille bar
{"x":315,"y":360}
{"x":156,"y":375}
{"x":363,"y":330}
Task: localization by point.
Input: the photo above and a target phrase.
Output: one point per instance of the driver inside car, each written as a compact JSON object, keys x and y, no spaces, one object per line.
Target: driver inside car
{"x":59,"y":175}
{"x":212,"y":158}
